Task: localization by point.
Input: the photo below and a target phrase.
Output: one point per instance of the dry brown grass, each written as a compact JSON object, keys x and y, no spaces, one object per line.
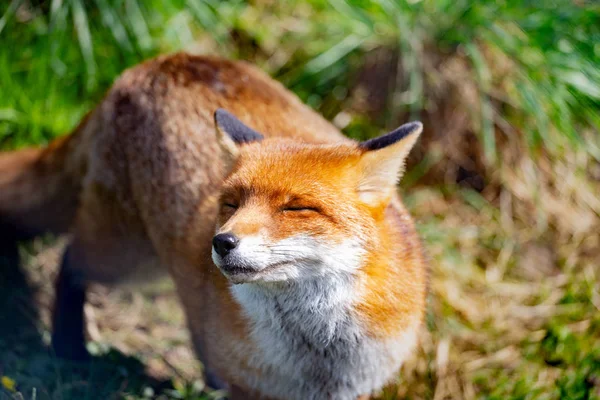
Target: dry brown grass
{"x":147,"y":323}
{"x":510,"y":267}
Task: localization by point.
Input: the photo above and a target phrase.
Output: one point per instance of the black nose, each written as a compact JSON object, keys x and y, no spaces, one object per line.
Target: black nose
{"x":224,"y":243}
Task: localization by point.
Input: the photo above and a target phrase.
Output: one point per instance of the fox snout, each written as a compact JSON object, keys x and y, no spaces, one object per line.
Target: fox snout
{"x":229,"y":256}
{"x":224,"y":253}
{"x":223,"y":243}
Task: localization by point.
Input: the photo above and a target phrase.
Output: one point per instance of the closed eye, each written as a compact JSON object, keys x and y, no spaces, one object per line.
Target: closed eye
{"x":300,"y":208}
{"x":230,"y":205}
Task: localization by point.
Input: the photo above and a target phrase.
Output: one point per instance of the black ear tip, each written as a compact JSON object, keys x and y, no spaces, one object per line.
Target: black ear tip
{"x":393,"y":137}
{"x":221,"y":114}
{"x":416,"y":125}
{"x":235,"y":128}
{"x":410,"y":127}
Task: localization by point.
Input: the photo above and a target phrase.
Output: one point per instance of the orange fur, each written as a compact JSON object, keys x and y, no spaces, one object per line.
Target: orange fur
{"x":138,"y":185}
{"x":276,"y":172}
{"x":394,"y":293}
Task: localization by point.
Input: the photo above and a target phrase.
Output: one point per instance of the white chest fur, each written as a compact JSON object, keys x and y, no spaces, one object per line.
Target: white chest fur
{"x":310,"y":344}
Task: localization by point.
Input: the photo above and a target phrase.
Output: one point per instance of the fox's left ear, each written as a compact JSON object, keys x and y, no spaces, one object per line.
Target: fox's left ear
{"x":382,"y":162}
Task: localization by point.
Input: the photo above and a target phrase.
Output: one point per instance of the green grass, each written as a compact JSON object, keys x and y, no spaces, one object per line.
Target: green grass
{"x":74,"y":49}
{"x":504,"y":185}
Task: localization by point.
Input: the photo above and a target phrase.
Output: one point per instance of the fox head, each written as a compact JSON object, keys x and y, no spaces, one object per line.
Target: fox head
{"x":291,"y":211}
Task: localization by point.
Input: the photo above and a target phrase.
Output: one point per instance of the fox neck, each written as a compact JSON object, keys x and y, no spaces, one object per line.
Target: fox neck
{"x":312,"y":339}
{"x":316,"y":310}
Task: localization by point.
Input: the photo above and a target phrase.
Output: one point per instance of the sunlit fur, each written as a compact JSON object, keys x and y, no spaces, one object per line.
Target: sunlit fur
{"x":139,"y":186}
{"x":309,"y":240}
{"x":294,"y":258}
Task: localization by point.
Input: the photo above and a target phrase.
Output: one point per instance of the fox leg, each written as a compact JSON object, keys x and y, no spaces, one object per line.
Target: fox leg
{"x":109,"y":247}
{"x":213,"y":381}
{"x":68,"y":319}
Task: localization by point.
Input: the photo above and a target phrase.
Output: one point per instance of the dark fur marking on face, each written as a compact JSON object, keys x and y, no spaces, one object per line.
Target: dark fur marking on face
{"x":235,"y":128}
{"x":391,"y":138}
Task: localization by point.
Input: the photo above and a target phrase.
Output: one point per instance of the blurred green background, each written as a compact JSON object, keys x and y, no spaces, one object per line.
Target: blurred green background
{"x":505,"y":184}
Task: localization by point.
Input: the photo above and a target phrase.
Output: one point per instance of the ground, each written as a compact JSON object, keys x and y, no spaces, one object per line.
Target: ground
{"x":139,"y":338}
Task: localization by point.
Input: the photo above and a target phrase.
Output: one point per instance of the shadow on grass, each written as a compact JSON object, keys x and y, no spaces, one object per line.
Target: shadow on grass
{"x":26,"y":359}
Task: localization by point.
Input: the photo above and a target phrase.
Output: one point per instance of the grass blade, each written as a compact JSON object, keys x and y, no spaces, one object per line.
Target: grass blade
{"x":487,"y":111}
{"x":85,"y":41}
{"x":138,"y":25}
{"x":12,"y":7}
{"x":334,"y":54}
{"x":111,"y":20}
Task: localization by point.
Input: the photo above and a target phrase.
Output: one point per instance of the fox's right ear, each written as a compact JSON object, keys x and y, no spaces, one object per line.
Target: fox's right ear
{"x":231,"y":132}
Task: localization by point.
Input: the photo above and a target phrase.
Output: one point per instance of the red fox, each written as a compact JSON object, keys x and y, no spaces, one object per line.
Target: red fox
{"x":313,"y":283}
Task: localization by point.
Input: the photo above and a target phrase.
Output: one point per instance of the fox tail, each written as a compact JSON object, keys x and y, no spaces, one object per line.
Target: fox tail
{"x":40,"y":187}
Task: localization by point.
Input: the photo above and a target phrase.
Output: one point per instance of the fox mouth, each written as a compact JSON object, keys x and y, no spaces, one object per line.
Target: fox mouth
{"x":239,"y":273}
{"x":233,"y":269}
